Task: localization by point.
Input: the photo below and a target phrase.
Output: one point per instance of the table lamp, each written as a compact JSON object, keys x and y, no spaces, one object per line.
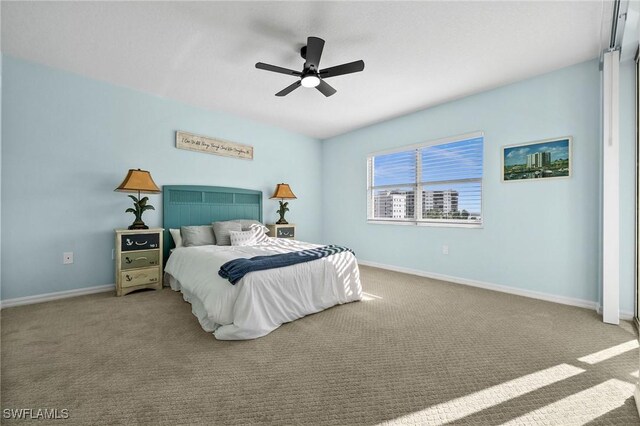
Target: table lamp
{"x":284,"y":193}
{"x":139,"y":181}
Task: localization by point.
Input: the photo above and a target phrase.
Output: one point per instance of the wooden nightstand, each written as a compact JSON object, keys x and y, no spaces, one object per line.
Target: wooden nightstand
{"x":282,"y":231}
{"x":138,"y":259}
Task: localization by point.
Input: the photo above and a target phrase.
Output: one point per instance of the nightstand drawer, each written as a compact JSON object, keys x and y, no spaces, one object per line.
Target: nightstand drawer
{"x":282,"y":230}
{"x":140,"y":259}
{"x":286,"y":232}
{"x":140,"y":241}
{"x":140,"y":277}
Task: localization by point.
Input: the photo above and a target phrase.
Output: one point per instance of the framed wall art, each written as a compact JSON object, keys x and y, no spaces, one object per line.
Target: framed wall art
{"x":546,"y":159}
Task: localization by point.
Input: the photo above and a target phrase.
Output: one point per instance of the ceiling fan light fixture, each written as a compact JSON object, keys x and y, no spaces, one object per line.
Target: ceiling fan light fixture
{"x":310,"y":81}
{"x":310,"y":75}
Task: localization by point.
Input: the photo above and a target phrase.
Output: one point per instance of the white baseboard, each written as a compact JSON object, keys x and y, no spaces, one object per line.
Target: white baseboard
{"x":39,"y":298}
{"x":495,"y":287}
{"x":624,"y":315}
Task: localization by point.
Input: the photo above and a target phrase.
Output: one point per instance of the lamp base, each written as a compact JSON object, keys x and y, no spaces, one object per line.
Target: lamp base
{"x":138,"y":225}
{"x":282,"y":222}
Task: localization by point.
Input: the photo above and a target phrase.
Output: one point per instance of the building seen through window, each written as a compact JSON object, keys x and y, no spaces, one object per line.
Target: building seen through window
{"x":440,"y":182}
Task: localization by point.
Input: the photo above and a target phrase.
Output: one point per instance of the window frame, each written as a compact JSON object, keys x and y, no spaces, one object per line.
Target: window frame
{"x":450,"y":223}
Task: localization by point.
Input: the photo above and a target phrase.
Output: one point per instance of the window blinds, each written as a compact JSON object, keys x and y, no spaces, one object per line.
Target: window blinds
{"x":438,"y":182}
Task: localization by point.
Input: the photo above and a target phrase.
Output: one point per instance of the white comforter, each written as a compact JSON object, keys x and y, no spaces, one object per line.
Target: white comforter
{"x":263,"y":300}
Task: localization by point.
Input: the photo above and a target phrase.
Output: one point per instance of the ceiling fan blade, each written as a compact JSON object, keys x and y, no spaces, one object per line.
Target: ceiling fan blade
{"x":314,"y":52}
{"x":289,"y":89}
{"x":342,"y":69}
{"x":325,"y":88}
{"x":267,"y":67}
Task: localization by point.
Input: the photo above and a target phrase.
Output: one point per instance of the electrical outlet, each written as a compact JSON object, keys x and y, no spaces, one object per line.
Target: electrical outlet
{"x":67,"y":258}
{"x":445,"y":249}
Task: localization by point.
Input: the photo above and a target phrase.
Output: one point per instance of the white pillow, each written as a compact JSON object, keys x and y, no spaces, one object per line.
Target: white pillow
{"x":261,"y":235}
{"x":247,"y":238}
{"x":177,"y":238}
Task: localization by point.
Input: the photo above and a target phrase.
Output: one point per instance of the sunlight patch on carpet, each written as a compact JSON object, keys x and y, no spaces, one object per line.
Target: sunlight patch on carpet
{"x":605,"y":354}
{"x":368,"y":296}
{"x":584,"y":406}
{"x":458,"y":408}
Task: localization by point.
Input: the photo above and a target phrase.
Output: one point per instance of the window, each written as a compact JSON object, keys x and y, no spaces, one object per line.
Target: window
{"x":432,"y":183}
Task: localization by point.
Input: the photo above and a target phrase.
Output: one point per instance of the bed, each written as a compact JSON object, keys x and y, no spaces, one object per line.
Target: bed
{"x":263,"y":300}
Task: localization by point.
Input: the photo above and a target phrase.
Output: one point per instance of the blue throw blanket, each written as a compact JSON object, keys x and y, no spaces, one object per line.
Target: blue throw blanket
{"x":235,"y":269}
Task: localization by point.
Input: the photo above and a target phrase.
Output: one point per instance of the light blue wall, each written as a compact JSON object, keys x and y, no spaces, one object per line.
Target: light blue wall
{"x":537,"y":235}
{"x":67,"y":142}
{"x":627,"y":184}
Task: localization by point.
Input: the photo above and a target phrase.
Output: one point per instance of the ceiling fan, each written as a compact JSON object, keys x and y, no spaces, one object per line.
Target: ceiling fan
{"x":311,"y":75}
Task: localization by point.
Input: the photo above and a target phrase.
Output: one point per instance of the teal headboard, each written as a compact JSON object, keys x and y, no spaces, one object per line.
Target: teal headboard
{"x":184,"y":205}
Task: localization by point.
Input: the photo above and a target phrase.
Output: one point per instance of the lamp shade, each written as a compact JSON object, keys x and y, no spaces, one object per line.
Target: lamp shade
{"x":138,"y":181}
{"x":283,"y":192}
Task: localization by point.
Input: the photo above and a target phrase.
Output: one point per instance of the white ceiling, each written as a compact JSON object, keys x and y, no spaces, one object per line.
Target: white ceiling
{"x":417,"y":54}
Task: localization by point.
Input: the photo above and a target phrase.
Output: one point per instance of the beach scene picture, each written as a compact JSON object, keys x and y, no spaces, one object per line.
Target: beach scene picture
{"x":537,"y":160}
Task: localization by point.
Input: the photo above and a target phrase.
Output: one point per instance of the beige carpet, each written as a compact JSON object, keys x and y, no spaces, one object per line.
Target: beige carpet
{"x":419,"y":352}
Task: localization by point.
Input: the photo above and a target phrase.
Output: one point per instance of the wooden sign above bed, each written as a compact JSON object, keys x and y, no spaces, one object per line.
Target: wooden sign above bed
{"x":193,"y":142}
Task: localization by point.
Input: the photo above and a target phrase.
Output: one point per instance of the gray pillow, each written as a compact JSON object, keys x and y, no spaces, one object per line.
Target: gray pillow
{"x":248,"y":224}
{"x":197,"y":235}
{"x":222,"y":231}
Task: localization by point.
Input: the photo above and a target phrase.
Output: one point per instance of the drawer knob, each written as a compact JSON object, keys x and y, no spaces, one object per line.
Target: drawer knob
{"x":128,"y":277}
